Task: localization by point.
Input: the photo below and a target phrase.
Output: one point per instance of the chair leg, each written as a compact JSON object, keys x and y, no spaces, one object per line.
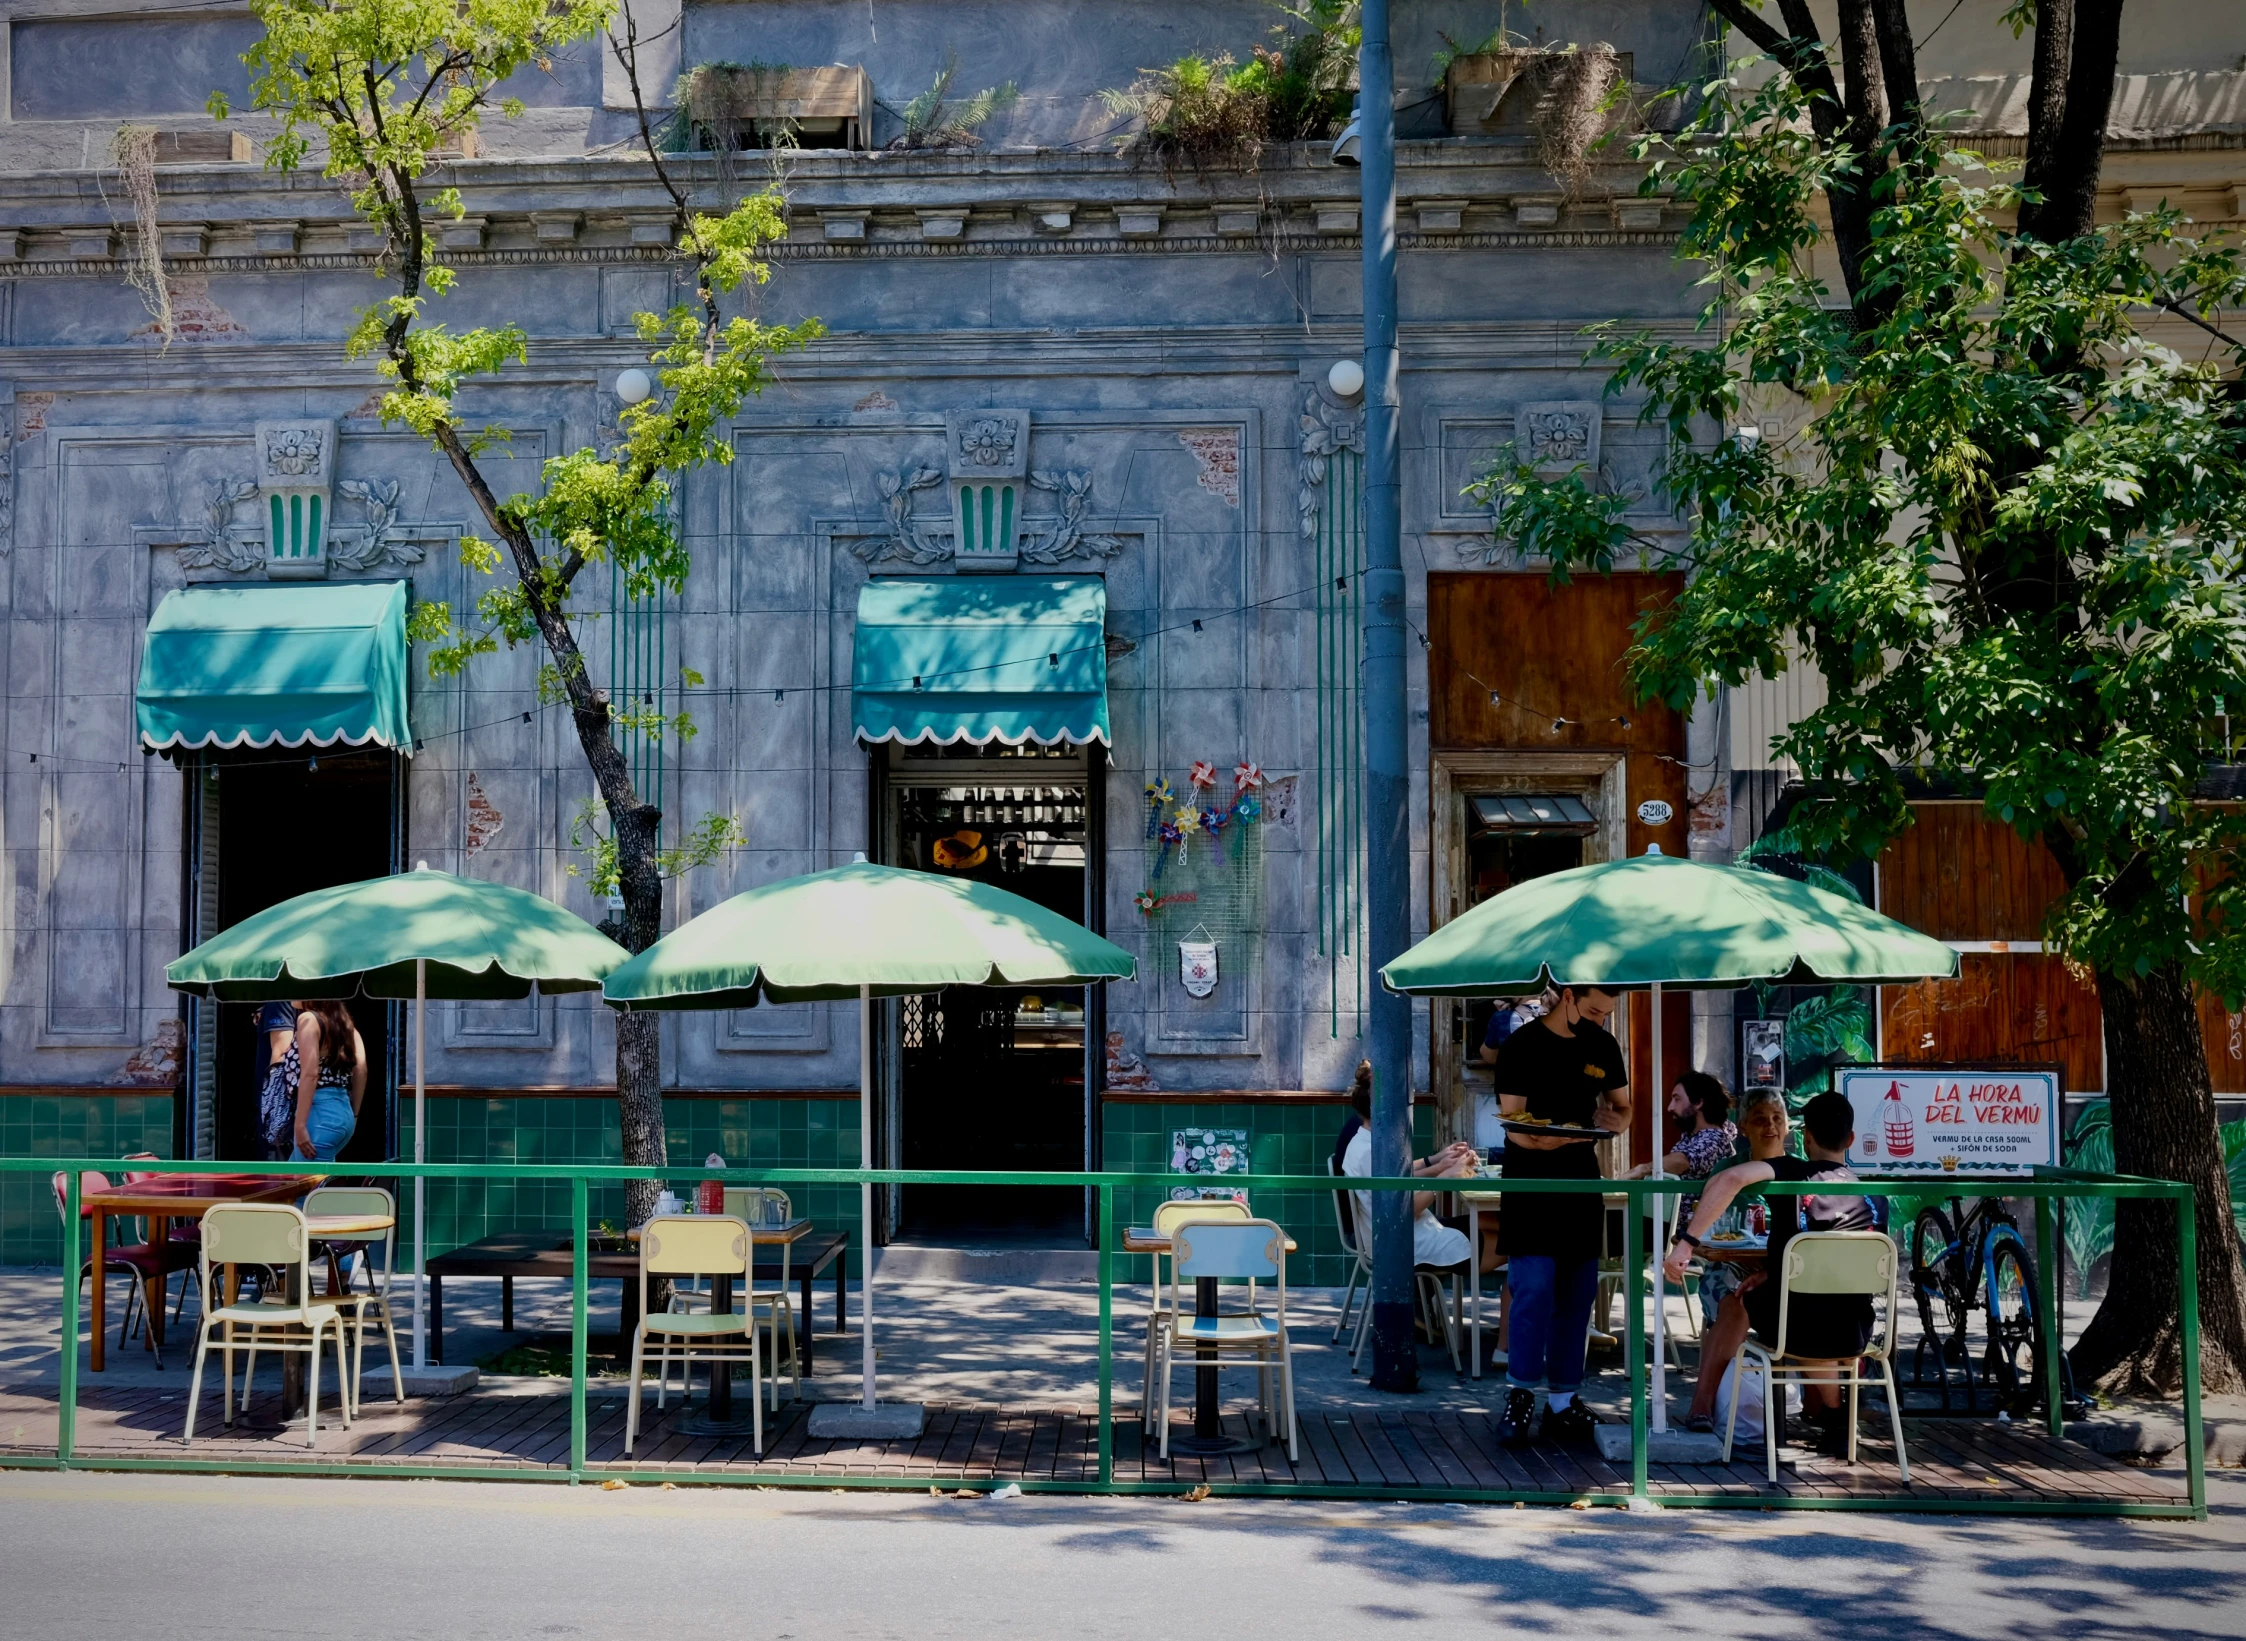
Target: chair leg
{"x":1287,"y":1395}
{"x":1895,"y":1419}
{"x":1773,"y":1418}
{"x":1348,"y":1298}
{"x":1855,"y":1391}
{"x":756,"y":1387}
{"x":312,"y":1386}
{"x":1357,"y":1345}
{"x":631,"y":1413}
{"x":1162,"y":1362}
{"x":343,"y":1377}
{"x":397,"y":1374}
{"x":195,"y":1386}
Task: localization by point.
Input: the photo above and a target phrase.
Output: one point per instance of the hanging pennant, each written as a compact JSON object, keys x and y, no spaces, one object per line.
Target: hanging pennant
{"x":1197,"y":963}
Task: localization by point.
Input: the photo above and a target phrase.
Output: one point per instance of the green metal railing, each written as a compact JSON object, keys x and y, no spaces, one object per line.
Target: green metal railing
{"x":2047,"y":1187}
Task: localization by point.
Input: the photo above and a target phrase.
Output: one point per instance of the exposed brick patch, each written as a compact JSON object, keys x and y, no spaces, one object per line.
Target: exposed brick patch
{"x":195,"y":316}
{"x":156,"y":1064}
{"x":1217,"y":449}
{"x":31,"y":413}
{"x":876,"y":400}
{"x":485,"y":822}
{"x":1127,"y":1070}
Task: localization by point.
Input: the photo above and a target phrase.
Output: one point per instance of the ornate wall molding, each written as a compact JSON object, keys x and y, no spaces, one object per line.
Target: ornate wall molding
{"x":1326,"y":427}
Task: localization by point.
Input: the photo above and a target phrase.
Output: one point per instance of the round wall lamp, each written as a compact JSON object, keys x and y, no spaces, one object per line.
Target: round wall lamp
{"x":1346,"y":378}
{"x":634,"y":385}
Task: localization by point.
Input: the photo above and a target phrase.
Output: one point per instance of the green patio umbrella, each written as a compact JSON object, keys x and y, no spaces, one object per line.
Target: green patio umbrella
{"x":1653,"y":920}
{"x":418,"y":934}
{"x":862,"y":931}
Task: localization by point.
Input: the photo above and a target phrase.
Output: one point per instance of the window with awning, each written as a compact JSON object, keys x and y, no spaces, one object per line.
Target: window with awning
{"x":971,"y":660}
{"x":321,"y":664}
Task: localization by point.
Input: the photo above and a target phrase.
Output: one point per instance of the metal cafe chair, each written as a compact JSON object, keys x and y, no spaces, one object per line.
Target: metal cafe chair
{"x":372,"y":1308}
{"x":696,"y":1245}
{"x":1167,"y":1218}
{"x":286,"y":1320}
{"x":1837,"y":1263}
{"x":1249,"y":1251}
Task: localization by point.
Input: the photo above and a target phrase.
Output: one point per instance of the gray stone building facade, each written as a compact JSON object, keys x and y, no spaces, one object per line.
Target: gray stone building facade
{"x":1164,"y":337}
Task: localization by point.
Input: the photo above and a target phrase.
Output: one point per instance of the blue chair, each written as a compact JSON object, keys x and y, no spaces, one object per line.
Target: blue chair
{"x":1249,"y":1251}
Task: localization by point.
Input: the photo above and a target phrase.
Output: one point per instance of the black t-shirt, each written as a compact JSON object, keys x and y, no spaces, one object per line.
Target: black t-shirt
{"x":1823,"y":1326}
{"x":1561,"y":1078}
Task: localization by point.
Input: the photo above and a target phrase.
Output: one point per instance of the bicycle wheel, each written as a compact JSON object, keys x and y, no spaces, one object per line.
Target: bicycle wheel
{"x":1942,"y":1299}
{"x":2015,"y":1353}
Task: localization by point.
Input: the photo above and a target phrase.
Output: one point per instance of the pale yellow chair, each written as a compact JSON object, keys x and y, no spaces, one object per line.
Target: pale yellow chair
{"x":372,"y":1308}
{"x":1167,"y":1218}
{"x":1838,"y":1264}
{"x":774,"y":1310}
{"x":696,"y":1245}
{"x":1250,"y":1251}
{"x":286,"y":1319}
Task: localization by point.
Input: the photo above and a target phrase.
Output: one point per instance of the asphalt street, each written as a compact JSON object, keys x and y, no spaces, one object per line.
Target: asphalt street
{"x":188,"y":1557}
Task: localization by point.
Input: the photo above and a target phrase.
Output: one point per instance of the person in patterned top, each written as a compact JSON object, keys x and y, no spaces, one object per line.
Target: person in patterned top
{"x":1702,"y":1112}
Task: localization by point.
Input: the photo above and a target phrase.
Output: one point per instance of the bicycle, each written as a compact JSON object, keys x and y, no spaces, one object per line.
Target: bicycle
{"x":1976,"y":1257}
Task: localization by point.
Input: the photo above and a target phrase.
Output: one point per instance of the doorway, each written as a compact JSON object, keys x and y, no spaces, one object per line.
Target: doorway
{"x":287,"y":826}
{"x":993,"y":1077}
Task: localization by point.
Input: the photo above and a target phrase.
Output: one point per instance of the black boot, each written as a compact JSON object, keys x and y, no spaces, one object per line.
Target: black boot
{"x":1520,"y":1412}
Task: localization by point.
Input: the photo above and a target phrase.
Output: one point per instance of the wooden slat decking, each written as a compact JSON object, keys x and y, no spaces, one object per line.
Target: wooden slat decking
{"x":1407,"y":1449}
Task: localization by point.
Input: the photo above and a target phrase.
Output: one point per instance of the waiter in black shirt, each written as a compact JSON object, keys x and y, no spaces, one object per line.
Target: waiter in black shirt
{"x":1565,"y":1069}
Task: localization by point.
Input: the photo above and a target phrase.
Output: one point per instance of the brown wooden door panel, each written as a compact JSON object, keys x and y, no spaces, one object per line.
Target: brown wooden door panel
{"x":1956,"y":874}
{"x":2016,"y":1007}
{"x":2225,"y":1033}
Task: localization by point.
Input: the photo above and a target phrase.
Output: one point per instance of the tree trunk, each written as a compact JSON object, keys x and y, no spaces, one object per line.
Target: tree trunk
{"x":2067,"y":139}
{"x":639,"y":1042}
{"x":2163,"y":1128}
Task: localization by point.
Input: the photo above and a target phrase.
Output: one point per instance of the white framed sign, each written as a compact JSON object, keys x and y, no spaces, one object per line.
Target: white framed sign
{"x":1936,"y":1119}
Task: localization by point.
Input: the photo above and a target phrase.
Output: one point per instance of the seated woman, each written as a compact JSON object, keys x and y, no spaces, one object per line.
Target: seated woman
{"x":1821,"y":1327}
{"x":1433,"y":1242}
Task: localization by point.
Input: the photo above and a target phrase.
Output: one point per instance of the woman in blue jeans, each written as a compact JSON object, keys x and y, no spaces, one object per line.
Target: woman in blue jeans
{"x":327,"y":1065}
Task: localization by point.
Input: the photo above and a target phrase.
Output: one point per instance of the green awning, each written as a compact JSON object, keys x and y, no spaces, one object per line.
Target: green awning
{"x":320,"y":664}
{"x":981,"y":659}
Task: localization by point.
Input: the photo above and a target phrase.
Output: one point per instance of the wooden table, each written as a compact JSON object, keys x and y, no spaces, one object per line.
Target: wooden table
{"x":1208,"y":1429}
{"x":510,"y":1254}
{"x":161,"y":1201}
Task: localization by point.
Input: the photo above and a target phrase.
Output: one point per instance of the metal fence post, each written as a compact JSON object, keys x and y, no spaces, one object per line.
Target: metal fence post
{"x":1634,"y":1336}
{"x":1107,"y":1336}
{"x":73,"y":1258}
{"x":578,"y":1212}
{"x":2187,"y":1279}
{"x":2047,"y":1304}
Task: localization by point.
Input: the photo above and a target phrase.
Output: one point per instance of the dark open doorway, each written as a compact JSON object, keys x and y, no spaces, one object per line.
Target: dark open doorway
{"x":285,"y":828}
{"x":994,"y":1077}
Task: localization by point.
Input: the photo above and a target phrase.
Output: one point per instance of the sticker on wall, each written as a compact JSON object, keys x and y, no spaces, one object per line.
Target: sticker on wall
{"x":1653,"y":812}
{"x":1197,"y":964}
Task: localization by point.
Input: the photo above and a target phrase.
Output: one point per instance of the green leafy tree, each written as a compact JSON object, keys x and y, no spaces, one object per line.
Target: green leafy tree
{"x":2008,"y":535}
{"x":370,"y":90}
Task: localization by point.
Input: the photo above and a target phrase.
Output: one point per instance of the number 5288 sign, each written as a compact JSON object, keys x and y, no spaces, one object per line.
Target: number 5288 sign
{"x":1953,"y":1119}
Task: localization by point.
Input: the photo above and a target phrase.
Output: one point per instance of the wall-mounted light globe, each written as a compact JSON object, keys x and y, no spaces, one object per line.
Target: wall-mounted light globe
{"x":634,"y":385}
{"x":1346,"y":378}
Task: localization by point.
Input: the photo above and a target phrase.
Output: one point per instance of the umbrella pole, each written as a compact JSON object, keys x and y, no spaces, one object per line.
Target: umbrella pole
{"x":420,"y":1147}
{"x":1661,"y":1232}
{"x":865,"y":1187}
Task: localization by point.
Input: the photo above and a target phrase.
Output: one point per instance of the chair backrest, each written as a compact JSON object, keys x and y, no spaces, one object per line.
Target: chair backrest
{"x":351,"y":1199}
{"x":749,"y":1202}
{"x":694,"y":1245}
{"x":255,"y":1233}
{"x":1170,"y":1215}
{"x":1843,"y":1263}
{"x":1252,"y":1250}
{"x":133,"y":1178}
{"x":88,"y":1183}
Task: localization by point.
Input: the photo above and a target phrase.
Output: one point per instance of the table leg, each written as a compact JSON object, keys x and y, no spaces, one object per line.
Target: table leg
{"x":841,"y":1290}
{"x":506,"y":1304}
{"x":1207,"y":1422}
{"x":803,"y":1340}
{"x":436,"y":1318}
{"x":159,"y":1234}
{"x":99,"y":1252}
{"x":721,"y":1371}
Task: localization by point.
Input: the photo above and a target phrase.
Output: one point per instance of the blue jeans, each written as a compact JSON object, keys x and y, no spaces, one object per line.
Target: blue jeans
{"x":331,"y":1122}
{"x":1550,"y":1320}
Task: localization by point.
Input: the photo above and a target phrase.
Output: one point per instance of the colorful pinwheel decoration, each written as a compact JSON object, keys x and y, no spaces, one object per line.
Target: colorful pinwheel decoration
{"x":1246,"y":775}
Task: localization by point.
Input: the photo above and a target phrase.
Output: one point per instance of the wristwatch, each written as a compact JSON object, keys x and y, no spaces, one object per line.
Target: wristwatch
{"x":1687,"y":1238}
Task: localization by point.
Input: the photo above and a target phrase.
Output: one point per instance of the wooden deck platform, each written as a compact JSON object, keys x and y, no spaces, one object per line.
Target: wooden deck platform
{"x":508,"y":1430}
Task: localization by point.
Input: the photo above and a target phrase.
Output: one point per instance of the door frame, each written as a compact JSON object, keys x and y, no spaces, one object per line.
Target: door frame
{"x":1599,"y":778}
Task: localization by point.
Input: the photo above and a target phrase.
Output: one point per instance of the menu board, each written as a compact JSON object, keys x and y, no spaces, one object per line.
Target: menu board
{"x":1207,"y":1151}
{"x":1953,"y":1119}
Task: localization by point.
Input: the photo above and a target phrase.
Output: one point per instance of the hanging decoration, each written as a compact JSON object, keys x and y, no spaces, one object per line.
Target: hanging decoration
{"x":1205,"y":852}
{"x":1197,"y":964}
